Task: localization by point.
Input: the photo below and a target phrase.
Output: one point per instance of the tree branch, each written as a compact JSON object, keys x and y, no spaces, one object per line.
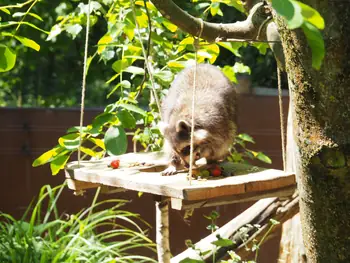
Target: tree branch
{"x":247,"y":29}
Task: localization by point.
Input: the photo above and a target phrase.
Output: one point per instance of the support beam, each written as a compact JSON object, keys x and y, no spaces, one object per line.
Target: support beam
{"x":162,"y":231}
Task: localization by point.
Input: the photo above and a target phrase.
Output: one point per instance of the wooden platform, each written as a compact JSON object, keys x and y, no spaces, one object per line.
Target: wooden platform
{"x":247,"y":183}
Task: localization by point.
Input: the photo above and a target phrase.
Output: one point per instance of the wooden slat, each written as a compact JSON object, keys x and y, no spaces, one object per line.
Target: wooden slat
{"x":247,"y":179}
{"x":180,"y":204}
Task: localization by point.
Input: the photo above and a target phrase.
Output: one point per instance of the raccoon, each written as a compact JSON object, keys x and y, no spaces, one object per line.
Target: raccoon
{"x":214,"y":119}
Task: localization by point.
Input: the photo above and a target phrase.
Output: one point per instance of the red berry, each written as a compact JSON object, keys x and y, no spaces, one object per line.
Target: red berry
{"x":115,"y":164}
{"x":216,"y":171}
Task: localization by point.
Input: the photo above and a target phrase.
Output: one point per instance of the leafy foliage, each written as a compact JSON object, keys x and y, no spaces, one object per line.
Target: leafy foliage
{"x":43,"y":235}
{"x":143,"y":51}
{"x":300,"y":15}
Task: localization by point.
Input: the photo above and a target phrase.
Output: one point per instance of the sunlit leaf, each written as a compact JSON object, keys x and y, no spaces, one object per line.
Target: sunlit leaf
{"x":28,"y":42}
{"x":170,"y":26}
{"x":59,"y":164}
{"x":149,"y":4}
{"x":115,"y":140}
{"x":165,"y":76}
{"x":232,"y":46}
{"x":106,"y":39}
{"x":98,"y":142}
{"x":311,"y":15}
{"x":190,"y":260}
{"x":223,"y":242}
{"x":20,"y":14}
{"x":133,"y":108}
{"x":246,"y":137}
{"x":127,"y":119}
{"x":229,"y":73}
{"x":46,"y":156}
{"x":74,"y":30}
{"x":264,"y":158}
{"x":241,"y":68}
{"x":5,"y":10}
{"x":141,"y":18}
{"x":7,"y":58}
{"x":183,"y":44}
{"x":70,"y":141}
{"x":88,"y":151}
{"x":55,"y":31}
{"x":135,"y":70}
{"x":315,"y":40}
{"x":120,"y":65}
{"x":284,"y":8}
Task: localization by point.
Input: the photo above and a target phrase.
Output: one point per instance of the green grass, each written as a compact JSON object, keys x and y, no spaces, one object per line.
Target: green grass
{"x":44,"y":235}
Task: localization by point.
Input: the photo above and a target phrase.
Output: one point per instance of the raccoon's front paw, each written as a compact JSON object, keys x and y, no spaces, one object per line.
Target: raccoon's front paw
{"x":171,"y":170}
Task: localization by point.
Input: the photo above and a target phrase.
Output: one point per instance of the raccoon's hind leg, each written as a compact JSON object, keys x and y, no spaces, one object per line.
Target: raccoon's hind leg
{"x":174,"y":165}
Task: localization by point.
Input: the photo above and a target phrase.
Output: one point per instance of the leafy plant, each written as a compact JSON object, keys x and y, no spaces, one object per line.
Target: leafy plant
{"x":91,"y":235}
{"x":241,"y":154}
{"x":224,"y":242}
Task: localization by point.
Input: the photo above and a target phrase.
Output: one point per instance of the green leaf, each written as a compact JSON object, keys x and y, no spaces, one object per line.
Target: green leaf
{"x":232,"y":46}
{"x":177,"y":65}
{"x":222,"y":242}
{"x":74,"y":30}
{"x":20,"y":14}
{"x":100,"y":120}
{"x":46,"y":156}
{"x":311,"y":15}
{"x":7,"y":58}
{"x":115,"y":140}
{"x":55,"y":31}
{"x":127,"y":119}
{"x":70,"y":141}
{"x":170,"y":26}
{"x":241,"y":68}
{"x":5,"y":10}
{"x":165,"y":76}
{"x":135,"y":70}
{"x":215,"y":9}
{"x":315,"y":40}
{"x":25,"y":41}
{"x":12,"y":23}
{"x":297,"y":19}
{"x":190,"y":260}
{"x":58,"y":164}
{"x":246,"y":137}
{"x":183,"y":44}
{"x":230,"y":73}
{"x":133,"y":108}
{"x":284,"y":8}
{"x":264,"y":158}
{"x":88,"y":151}
{"x":28,"y":42}
{"x":98,"y":142}
{"x":103,"y":42}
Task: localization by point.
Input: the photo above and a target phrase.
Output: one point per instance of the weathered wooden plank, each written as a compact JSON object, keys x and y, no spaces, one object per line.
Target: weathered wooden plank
{"x":146,"y":178}
{"x":180,"y":204}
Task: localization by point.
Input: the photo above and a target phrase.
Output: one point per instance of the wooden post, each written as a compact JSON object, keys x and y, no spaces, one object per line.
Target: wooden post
{"x":291,"y":245}
{"x":162,"y":231}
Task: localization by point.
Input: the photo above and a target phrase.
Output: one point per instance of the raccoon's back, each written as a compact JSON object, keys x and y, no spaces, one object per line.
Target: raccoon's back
{"x":215,"y":99}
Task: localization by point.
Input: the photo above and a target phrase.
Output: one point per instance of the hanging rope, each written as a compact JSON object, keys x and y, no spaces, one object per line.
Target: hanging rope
{"x":196,"y":46}
{"x":155,"y":95}
{"x":281,"y":118}
{"x":83,"y":88}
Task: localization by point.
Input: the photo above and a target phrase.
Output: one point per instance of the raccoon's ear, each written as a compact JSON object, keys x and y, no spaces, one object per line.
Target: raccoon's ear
{"x":200,"y":135}
{"x":163,"y":126}
{"x":183,"y":126}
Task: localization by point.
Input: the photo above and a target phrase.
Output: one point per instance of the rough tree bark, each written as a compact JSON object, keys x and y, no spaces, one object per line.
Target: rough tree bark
{"x":321,"y":101}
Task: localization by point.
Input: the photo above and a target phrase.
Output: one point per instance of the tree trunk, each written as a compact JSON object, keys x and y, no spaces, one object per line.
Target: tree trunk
{"x":321,"y":112}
